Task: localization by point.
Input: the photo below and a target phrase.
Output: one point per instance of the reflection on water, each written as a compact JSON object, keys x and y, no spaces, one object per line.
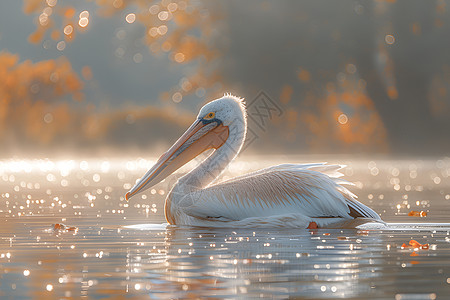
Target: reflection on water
{"x":110,"y":255}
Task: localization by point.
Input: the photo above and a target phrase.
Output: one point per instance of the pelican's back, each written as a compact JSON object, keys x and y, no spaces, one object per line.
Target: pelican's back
{"x":313,"y":190}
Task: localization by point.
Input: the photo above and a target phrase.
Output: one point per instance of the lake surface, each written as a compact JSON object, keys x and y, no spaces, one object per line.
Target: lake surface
{"x":125,"y":250}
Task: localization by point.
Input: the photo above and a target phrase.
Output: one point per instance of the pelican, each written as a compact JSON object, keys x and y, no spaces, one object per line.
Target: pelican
{"x":286,"y":195}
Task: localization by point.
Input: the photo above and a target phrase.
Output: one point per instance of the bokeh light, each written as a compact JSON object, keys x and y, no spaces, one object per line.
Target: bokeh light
{"x":83,"y":22}
{"x":390,"y":39}
{"x":343,"y":119}
{"x":130,"y":18}
{"x":68,"y":30}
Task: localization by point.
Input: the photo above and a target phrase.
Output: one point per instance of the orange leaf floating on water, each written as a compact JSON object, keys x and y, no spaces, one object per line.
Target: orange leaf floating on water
{"x":342,"y":238}
{"x":405,"y":246}
{"x":414,"y":213}
{"x":415,"y":243}
{"x":312,"y":225}
{"x":62,"y":227}
{"x":326,"y":233}
{"x":58,"y":226}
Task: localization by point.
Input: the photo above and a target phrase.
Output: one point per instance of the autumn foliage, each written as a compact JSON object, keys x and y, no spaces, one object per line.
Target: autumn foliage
{"x":41,"y":107}
{"x":33,"y":98}
{"x":181,"y":30}
{"x":346,"y":117}
{"x":343,"y":118}
{"x":329,"y":110}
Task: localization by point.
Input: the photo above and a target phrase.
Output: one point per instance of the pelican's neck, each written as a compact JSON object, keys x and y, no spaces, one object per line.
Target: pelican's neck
{"x":211,"y":168}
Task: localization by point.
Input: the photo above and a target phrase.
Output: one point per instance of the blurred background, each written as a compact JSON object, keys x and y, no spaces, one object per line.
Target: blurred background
{"x":121,"y":77}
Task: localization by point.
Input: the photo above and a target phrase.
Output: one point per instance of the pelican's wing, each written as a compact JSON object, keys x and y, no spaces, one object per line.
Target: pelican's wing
{"x":313,"y":190}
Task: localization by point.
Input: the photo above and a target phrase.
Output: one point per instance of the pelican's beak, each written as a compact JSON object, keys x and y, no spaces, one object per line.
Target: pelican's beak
{"x":200,"y":136}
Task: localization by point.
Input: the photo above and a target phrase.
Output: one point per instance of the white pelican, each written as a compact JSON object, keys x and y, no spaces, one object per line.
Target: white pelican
{"x":292,"y":195}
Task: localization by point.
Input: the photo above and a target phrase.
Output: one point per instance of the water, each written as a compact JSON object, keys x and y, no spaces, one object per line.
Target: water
{"x":125,"y":250}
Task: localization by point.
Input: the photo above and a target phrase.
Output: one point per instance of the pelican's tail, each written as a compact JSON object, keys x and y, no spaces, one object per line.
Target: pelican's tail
{"x":357,"y":209}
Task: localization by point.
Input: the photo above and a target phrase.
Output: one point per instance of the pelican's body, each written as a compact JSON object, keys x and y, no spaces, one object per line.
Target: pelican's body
{"x":293,"y":195}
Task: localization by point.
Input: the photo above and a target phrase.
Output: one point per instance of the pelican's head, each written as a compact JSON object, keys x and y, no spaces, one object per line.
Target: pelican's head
{"x":228,"y":110}
{"x":217,"y":121}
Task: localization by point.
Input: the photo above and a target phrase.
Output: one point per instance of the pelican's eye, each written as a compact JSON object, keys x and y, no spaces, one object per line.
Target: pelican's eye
{"x":210,"y":116}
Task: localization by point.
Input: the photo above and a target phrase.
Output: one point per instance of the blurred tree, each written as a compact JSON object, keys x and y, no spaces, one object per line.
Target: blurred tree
{"x":36,"y":112}
{"x":351,"y":76}
{"x":398,"y":49}
{"x":181,"y":29}
{"x":38,"y":91}
{"x":419,"y":58}
{"x":31,"y":94}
